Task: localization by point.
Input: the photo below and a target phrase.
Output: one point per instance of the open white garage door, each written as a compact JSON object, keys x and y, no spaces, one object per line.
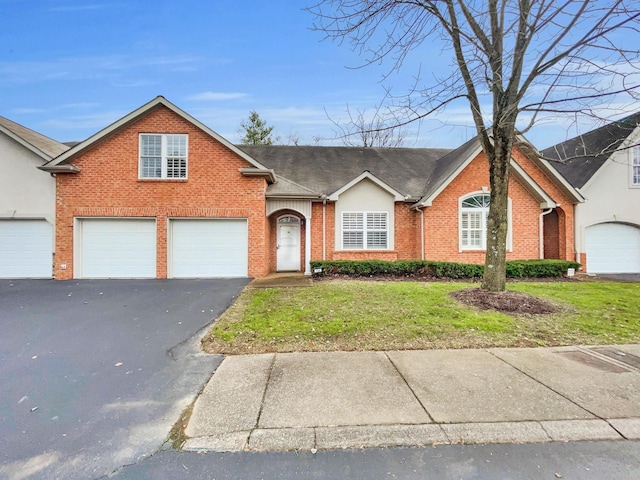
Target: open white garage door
{"x":613,"y":248}
{"x":26,"y":249}
{"x":117,"y":248}
{"x":202,"y":248}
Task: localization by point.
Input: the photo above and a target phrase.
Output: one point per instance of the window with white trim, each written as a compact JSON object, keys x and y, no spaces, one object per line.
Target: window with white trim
{"x":163,"y":155}
{"x":365,"y":230}
{"x":474,"y":211}
{"x":635,"y":166}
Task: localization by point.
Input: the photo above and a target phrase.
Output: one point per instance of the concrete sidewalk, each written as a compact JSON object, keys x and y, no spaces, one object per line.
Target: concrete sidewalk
{"x":312,"y":401}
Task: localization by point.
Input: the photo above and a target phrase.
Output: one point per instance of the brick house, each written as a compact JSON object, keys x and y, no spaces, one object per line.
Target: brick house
{"x":158,"y":194}
{"x":604,"y":166}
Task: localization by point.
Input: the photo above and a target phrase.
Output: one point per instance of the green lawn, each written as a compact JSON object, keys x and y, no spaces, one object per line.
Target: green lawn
{"x":363,"y":315}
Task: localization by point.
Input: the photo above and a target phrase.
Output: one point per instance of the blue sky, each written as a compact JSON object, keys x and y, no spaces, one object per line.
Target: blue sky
{"x":70,"y":68}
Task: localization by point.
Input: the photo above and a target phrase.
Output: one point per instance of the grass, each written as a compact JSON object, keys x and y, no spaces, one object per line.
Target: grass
{"x":363,"y":315}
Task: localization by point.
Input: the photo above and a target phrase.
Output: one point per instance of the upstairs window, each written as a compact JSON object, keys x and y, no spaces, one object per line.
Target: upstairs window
{"x":365,"y":230}
{"x":163,"y":156}
{"x":635,"y":166}
{"x":474,"y":211}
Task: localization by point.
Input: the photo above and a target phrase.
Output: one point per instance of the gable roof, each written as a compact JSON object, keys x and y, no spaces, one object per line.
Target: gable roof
{"x":45,"y":147}
{"x":410,"y":174}
{"x":448,"y":167}
{"x":325,"y":170}
{"x":366,"y":175}
{"x":66,"y":158}
{"x":579,"y":158}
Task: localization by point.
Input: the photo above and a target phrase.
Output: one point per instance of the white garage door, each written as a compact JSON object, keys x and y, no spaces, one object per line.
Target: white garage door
{"x":118,"y":248}
{"x":613,"y":248}
{"x":209,"y":248}
{"x":26,"y":248}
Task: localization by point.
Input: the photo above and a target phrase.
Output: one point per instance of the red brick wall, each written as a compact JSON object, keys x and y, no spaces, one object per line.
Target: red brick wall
{"x":441,"y":219}
{"x":108,"y":186}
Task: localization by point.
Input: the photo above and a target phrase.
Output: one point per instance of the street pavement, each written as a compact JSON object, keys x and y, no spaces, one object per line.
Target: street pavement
{"x":342,"y":400}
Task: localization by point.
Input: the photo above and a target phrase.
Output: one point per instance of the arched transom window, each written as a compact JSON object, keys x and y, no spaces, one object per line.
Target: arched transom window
{"x":473,"y":222}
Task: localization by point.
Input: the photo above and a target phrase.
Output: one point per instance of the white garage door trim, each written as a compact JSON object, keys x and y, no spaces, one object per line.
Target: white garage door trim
{"x":115,"y":248}
{"x":208,"y":248}
{"x":26,"y":248}
{"x":612,"y":248}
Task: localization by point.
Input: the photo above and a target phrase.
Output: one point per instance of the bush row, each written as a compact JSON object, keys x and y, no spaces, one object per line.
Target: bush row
{"x":417,"y":268}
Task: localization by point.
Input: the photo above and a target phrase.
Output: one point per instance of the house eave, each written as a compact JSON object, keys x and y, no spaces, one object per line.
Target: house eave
{"x":267,"y":173}
{"x":289,"y":196}
{"x":63,"y":168}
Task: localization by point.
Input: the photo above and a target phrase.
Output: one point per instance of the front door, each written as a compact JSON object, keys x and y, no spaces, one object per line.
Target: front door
{"x":288,"y":248}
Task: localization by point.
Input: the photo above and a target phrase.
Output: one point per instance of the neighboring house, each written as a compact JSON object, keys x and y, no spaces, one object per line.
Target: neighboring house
{"x":604,"y":165}
{"x":159,"y":194}
{"x":27,"y":202}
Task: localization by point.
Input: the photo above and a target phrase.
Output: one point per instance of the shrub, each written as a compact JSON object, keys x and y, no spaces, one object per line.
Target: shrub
{"x":412,"y":268}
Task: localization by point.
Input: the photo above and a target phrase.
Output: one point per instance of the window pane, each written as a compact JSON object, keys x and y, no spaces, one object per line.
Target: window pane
{"x":151,"y":167}
{"x":352,"y":221}
{"x":151,"y":145}
{"x":176,"y":167}
{"x":477,"y":201}
{"x":176,"y":145}
{"x":472,"y":229}
{"x":352,"y":240}
{"x":377,"y":240}
{"x":376,"y":221}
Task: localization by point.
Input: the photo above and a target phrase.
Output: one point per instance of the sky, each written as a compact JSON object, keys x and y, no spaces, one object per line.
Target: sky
{"x":69,"y":68}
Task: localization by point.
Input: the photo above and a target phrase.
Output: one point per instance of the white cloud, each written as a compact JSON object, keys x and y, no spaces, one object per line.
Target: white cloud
{"x":80,"y":8}
{"x":217,"y":96}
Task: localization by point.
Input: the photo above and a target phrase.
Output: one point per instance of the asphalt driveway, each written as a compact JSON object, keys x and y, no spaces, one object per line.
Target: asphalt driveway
{"x":95,"y":372}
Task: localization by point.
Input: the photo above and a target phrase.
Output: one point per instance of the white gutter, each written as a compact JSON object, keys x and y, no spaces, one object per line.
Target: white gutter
{"x":422,"y":232}
{"x":324,"y":227}
{"x":541,"y":231}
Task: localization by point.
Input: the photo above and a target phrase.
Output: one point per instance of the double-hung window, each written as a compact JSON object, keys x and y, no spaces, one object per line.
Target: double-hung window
{"x":163,"y":155}
{"x":474,"y":211}
{"x":635,"y":166}
{"x":365,"y":230}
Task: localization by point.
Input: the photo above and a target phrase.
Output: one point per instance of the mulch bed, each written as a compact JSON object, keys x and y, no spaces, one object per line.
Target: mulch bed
{"x":508,"y":302}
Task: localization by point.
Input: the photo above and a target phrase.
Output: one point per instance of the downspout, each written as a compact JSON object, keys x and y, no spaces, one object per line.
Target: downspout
{"x":417,"y":207}
{"x":324,"y":227}
{"x":421,"y":232}
{"x":541,"y":231}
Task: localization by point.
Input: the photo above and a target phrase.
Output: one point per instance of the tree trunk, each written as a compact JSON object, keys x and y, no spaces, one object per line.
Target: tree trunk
{"x":494,"y":278}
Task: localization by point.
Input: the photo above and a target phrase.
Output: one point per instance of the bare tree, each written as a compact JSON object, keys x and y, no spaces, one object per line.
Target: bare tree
{"x":365,"y":129}
{"x":526,"y":57}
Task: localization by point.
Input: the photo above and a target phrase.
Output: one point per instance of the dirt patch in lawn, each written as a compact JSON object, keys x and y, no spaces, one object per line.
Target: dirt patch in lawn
{"x":515,"y":303}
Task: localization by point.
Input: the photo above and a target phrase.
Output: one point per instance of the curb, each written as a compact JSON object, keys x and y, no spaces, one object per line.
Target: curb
{"x":420,"y":435}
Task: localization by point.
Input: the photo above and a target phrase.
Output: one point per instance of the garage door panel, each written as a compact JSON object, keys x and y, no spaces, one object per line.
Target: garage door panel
{"x":118,"y":248}
{"x":209,"y":248}
{"x":26,"y":249}
{"x":613,"y":248}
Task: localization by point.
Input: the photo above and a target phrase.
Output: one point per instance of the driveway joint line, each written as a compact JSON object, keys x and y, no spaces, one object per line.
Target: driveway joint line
{"x":386,"y":354}
{"x":616,"y":430}
{"x":264,"y":393}
{"x":547,"y":386}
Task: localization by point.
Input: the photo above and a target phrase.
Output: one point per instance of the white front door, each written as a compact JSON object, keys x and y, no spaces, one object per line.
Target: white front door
{"x":288,"y":256}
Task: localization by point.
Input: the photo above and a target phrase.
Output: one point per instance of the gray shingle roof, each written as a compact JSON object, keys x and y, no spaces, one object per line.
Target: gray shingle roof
{"x":579,"y":158}
{"x":46,"y":145}
{"x":324,"y":170}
